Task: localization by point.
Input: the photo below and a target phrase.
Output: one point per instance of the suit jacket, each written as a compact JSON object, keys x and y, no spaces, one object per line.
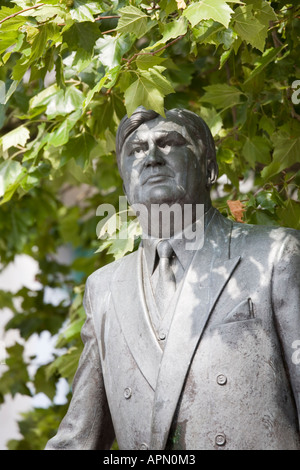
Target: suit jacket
{"x":225,"y":377}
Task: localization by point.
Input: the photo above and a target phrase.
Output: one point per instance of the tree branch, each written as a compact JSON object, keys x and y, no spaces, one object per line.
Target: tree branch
{"x":154,"y":52}
{"x":21,"y":11}
{"x":106,"y":17}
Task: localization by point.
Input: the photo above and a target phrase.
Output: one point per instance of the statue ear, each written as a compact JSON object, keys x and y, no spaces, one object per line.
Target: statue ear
{"x":212,"y":173}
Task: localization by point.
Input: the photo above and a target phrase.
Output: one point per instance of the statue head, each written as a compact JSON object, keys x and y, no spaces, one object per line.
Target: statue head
{"x":166,"y":160}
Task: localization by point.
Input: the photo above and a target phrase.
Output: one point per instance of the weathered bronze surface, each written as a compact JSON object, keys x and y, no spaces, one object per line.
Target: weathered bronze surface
{"x":214,"y":369}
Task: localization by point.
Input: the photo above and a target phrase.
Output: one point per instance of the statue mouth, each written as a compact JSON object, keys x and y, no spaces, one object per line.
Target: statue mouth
{"x":156,"y":178}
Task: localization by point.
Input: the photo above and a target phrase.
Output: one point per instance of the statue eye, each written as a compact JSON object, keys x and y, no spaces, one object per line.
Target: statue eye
{"x":137,"y":150}
{"x":165,"y":143}
{"x":174,"y":139}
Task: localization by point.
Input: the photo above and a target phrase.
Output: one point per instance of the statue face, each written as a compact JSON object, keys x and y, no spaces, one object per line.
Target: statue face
{"x":161,"y":163}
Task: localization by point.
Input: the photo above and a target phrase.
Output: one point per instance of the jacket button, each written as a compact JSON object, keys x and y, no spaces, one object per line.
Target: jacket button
{"x":127,"y":393}
{"x":221,"y":379}
{"x":162,"y":335}
{"x":220,"y":439}
{"x":143,"y":446}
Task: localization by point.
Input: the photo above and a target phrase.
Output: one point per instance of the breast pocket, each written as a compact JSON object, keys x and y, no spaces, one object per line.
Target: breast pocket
{"x":243,"y":311}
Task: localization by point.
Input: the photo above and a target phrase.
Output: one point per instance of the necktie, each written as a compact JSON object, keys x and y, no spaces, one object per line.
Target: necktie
{"x":166,"y":284}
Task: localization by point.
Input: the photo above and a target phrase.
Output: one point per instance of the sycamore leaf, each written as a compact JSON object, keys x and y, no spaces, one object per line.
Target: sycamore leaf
{"x":217,"y":10}
{"x":286,"y":153}
{"x":148,"y":90}
{"x":61,"y":135}
{"x":237,"y":209}
{"x":143,"y":92}
{"x":257,"y":149}
{"x":11,"y":173}
{"x":94,"y":90}
{"x":17,"y":136}
{"x":82,"y":36}
{"x":264,"y":12}
{"x":212,"y":119}
{"x":65,"y":365}
{"x":133,"y":20}
{"x":112,"y":48}
{"x":155,"y":75}
{"x":144,"y":62}
{"x":249,"y":28}
{"x":84,"y":11}
{"x":171,"y":30}
{"x":290,"y":214}
{"x":263,"y":61}
{"x":221,"y":96}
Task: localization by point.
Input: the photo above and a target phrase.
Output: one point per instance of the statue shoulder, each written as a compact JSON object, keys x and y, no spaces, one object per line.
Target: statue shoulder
{"x":103,"y":276}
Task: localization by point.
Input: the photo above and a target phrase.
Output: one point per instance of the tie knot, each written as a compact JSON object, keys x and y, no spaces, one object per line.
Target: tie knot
{"x":164,"y":249}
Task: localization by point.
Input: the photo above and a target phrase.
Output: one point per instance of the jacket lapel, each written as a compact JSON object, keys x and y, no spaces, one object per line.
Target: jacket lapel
{"x":129,"y":305}
{"x":207,"y":276}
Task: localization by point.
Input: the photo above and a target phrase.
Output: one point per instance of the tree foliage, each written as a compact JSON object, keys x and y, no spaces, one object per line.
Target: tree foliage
{"x":69,"y":72}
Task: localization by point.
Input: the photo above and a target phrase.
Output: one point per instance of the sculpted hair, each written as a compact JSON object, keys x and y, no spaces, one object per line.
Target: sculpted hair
{"x":194,"y":123}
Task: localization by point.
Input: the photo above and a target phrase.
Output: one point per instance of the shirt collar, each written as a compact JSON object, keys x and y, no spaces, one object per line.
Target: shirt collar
{"x":178,"y":244}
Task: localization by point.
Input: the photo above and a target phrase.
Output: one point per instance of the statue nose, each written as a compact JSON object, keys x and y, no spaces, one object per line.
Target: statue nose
{"x":154,"y":157}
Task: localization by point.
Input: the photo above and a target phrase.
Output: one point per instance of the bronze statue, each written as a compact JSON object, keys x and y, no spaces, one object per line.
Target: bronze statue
{"x":188,"y":348}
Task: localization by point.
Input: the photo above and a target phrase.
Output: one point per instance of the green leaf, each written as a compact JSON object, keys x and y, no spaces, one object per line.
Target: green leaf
{"x":267,"y":124}
{"x":267,"y":200}
{"x":56,"y":101}
{"x":264,"y":12}
{"x":17,"y":136}
{"x":110,"y":49}
{"x":124,"y":241}
{"x":65,"y":365}
{"x":13,"y":23}
{"x":11,"y":173}
{"x":43,"y":384}
{"x":133,"y":20}
{"x":290,"y":214}
{"x":82,"y":36}
{"x":148,"y":90}
{"x":55,"y":12}
{"x":143,"y":92}
{"x":217,"y":10}
{"x":171,"y":30}
{"x":286,"y":153}
{"x":144,"y":62}
{"x":94,"y":90}
{"x":168,"y":6}
{"x":155,"y":74}
{"x":63,"y":103}
{"x":248,"y":27}
{"x":222,"y":96}
{"x":14,"y":380}
{"x":225,"y":155}
{"x":257,"y":149}
{"x":263,"y":61}
{"x":61,"y":135}
{"x":82,"y":11}
{"x":80,"y":148}
{"x":212,"y":119}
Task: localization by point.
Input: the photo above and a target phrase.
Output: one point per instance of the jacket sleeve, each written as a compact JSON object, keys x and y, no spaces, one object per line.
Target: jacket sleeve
{"x":87,"y":424}
{"x":286,"y":306}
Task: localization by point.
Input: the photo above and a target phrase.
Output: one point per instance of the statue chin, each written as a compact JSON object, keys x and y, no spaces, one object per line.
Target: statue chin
{"x":163,"y":194}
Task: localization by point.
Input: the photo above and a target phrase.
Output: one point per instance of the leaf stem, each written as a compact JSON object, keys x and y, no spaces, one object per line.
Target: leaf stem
{"x":21,"y":11}
{"x":106,"y":17}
